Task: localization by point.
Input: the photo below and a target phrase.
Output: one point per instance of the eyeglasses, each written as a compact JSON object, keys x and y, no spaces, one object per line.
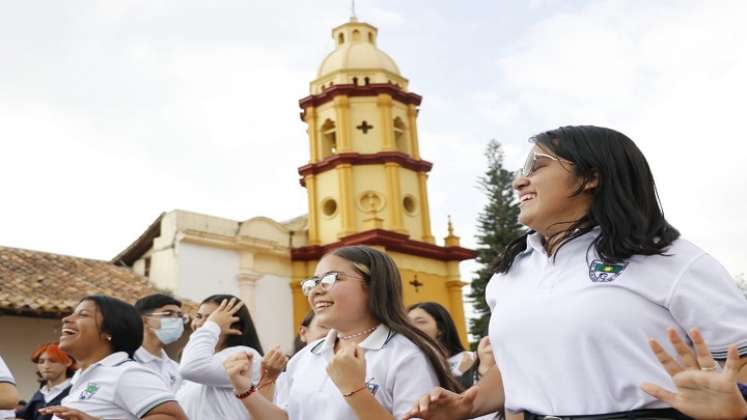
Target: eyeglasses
{"x":326,"y":281}
{"x":170,"y":314}
{"x":529,"y":165}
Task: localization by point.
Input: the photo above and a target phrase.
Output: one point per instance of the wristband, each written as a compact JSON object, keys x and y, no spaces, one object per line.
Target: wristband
{"x":350,"y":394}
{"x":246,"y":393}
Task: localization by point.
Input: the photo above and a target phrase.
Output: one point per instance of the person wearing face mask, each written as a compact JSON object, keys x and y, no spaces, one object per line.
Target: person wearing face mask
{"x":163,"y":323}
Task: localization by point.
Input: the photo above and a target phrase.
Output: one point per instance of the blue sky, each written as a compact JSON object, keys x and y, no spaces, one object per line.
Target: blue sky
{"x":112,"y":112}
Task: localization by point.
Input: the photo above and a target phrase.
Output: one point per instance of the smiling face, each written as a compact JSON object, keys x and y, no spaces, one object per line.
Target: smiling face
{"x":344,"y":306}
{"x":547,"y":203}
{"x":203,"y":312}
{"x":424,"y":322}
{"x":81,"y":332}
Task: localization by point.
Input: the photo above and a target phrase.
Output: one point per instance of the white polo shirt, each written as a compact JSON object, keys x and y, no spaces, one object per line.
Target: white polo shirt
{"x":571,"y":336}
{"x":6,"y":377}
{"x":207,"y":393}
{"x":51,"y":393}
{"x":397,"y":373}
{"x":164,"y":366}
{"x":117,"y":387}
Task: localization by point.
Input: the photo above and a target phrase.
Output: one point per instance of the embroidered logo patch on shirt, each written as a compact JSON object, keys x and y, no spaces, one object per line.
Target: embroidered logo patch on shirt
{"x":89,"y":391}
{"x":601,"y":272}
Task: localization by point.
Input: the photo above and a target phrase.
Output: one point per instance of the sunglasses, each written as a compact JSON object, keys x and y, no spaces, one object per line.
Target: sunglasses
{"x":531,"y":162}
{"x":325,"y":281}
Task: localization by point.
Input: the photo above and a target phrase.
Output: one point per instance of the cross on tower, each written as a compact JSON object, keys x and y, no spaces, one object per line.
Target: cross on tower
{"x":416,"y":284}
{"x":364,"y":127}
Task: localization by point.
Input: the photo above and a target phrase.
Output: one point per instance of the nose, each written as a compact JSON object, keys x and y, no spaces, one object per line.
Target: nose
{"x":316,"y":290}
{"x":520,"y":182}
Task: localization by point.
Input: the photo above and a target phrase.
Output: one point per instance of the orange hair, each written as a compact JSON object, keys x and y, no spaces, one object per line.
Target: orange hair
{"x":54,"y":353}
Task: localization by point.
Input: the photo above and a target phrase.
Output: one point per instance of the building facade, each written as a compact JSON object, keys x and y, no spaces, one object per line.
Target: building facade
{"x":366,"y":184}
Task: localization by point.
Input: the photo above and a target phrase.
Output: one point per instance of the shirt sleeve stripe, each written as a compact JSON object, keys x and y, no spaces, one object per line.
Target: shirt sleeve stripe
{"x":153,"y":405}
{"x":722,"y":355}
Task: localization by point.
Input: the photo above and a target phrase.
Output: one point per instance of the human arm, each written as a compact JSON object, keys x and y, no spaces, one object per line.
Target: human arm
{"x":273,"y":364}
{"x":238,"y":368}
{"x":199,"y":362}
{"x":170,"y":410}
{"x":702,"y":391}
{"x":440,"y":404}
{"x":8,"y":391}
{"x":347,"y":369}
{"x":8,"y":396}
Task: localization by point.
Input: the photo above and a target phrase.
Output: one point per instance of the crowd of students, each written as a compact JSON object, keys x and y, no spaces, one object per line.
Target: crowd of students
{"x":600,"y":311}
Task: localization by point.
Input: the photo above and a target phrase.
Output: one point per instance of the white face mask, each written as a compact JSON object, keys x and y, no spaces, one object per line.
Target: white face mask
{"x":170,"y":331}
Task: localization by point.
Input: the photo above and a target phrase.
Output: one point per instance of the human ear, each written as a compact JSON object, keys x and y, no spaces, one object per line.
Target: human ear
{"x":592,"y":183}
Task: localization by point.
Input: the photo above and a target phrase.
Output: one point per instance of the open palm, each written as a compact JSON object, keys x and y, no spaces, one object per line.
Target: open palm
{"x":702,"y":391}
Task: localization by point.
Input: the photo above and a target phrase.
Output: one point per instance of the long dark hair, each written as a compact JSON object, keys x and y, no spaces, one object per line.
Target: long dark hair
{"x":449,"y":336}
{"x":248,"y":335}
{"x":298,"y":344}
{"x":120,"y":321}
{"x":385,"y":303}
{"x":625,"y":204}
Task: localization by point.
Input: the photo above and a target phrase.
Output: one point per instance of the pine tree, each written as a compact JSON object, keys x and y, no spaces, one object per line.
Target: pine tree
{"x":497,"y":226}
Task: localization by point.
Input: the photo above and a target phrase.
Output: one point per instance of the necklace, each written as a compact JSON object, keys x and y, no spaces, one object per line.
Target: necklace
{"x":358,"y":334}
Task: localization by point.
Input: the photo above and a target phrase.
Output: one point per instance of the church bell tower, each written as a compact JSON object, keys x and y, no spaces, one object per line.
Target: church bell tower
{"x":365,"y":179}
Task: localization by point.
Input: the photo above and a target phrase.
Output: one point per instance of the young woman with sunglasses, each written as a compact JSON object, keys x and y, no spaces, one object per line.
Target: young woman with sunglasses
{"x":373,"y":364}
{"x":575,"y":300}
{"x":102,"y":335}
{"x":221,"y":327}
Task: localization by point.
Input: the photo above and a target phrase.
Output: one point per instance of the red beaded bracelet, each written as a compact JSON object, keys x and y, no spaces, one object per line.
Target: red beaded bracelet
{"x":246,"y":393}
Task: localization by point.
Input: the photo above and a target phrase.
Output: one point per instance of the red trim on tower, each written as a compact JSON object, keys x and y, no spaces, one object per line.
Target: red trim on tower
{"x":392,"y":241}
{"x":380,"y":158}
{"x":372,"y":89}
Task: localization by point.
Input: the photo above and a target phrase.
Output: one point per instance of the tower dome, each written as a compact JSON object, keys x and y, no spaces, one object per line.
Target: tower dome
{"x":356,"y":59}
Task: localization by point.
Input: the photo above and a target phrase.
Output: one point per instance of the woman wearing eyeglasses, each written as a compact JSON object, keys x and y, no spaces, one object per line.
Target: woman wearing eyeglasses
{"x":373,"y":364}
{"x":575,"y":300}
{"x":163,"y":323}
{"x":222,"y":327}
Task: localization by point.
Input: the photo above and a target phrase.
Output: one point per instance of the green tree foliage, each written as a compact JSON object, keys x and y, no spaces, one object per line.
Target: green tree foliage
{"x":497,"y":226}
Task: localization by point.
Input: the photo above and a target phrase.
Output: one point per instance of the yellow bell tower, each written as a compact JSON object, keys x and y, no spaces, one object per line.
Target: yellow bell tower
{"x":365,"y":179}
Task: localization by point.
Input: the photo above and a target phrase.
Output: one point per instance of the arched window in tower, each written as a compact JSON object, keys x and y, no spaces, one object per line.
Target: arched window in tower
{"x":356,"y":35}
{"x":340,"y":38}
{"x":355,"y":81}
{"x":400,"y":136}
{"x":370,"y":37}
{"x":329,"y":139}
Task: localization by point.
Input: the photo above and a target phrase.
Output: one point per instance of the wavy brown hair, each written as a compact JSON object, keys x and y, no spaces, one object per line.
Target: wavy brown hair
{"x":385,"y":303}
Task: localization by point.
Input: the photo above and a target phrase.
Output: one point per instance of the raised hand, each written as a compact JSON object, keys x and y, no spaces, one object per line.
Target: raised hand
{"x":225,"y":316}
{"x":441,"y":404}
{"x":702,"y":391}
{"x":273,"y":364}
{"x":347,"y":369}
{"x":66,"y":413}
{"x":467,"y":361}
{"x":239,"y":369}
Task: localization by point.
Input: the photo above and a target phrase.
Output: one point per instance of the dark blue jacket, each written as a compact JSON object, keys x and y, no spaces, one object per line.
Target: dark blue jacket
{"x":31,"y":411}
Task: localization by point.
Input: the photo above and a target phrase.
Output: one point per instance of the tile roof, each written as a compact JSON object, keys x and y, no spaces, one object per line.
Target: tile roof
{"x":34,"y":283}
